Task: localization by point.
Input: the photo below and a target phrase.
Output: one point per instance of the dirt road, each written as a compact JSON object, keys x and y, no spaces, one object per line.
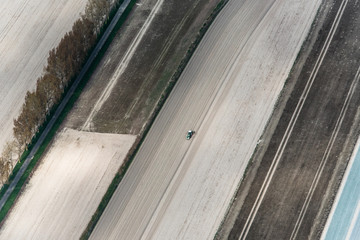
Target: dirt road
{"x":226,"y":93}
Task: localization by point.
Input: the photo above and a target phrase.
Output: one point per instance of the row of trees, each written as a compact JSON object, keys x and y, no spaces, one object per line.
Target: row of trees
{"x":97,"y":11}
{"x":63,"y":64}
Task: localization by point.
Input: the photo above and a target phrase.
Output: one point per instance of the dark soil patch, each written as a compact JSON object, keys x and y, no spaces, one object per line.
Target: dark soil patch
{"x":139,"y":88}
{"x":288,"y":189}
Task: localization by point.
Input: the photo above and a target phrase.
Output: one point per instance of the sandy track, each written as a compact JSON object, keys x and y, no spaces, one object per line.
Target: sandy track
{"x":28,"y":30}
{"x":178,"y":189}
{"x":67,"y":187}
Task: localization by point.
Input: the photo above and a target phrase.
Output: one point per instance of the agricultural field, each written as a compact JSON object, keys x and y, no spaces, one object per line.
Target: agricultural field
{"x":138,"y":65}
{"x":297,"y":169}
{"x":232,"y":94}
{"x":164,"y":48}
{"x":67,"y":186}
{"x":226,"y":94}
{"x":29,"y":29}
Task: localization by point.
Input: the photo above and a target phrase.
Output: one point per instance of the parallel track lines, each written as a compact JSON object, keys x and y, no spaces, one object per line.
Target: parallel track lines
{"x":170,"y":39}
{"x":121,"y":67}
{"x":325,"y":156}
{"x":291,"y":125}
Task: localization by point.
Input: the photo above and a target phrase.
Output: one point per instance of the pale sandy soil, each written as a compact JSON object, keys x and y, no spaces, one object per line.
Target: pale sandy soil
{"x":67,"y":187}
{"x":217,"y":164}
{"x":28,"y":30}
{"x":179,"y":189}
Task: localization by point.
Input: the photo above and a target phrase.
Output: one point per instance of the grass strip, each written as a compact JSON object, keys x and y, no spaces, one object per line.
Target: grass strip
{"x":136,"y":146}
{"x":13,"y":196}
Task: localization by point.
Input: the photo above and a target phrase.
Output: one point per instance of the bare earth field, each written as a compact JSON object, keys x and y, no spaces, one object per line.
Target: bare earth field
{"x":29,"y":29}
{"x":67,"y":186}
{"x":138,"y":65}
{"x":296,"y":171}
{"x":165,"y":43}
{"x":179,"y":189}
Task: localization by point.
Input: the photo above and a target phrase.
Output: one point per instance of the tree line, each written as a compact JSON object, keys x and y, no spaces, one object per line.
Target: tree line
{"x":63,"y":64}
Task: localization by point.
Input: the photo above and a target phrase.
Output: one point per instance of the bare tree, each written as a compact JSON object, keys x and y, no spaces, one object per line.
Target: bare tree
{"x":48,"y":91}
{"x":63,"y":64}
{"x":97,"y":11}
{"x":7,"y":161}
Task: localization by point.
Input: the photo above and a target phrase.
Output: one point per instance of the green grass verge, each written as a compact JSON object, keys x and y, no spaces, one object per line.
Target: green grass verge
{"x":7,"y":206}
{"x":14,"y":172}
{"x":24,"y":155}
{"x":132,"y":153}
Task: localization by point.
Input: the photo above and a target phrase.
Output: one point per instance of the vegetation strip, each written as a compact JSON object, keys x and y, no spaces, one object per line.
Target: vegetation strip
{"x":24,"y":168}
{"x":119,"y":176}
